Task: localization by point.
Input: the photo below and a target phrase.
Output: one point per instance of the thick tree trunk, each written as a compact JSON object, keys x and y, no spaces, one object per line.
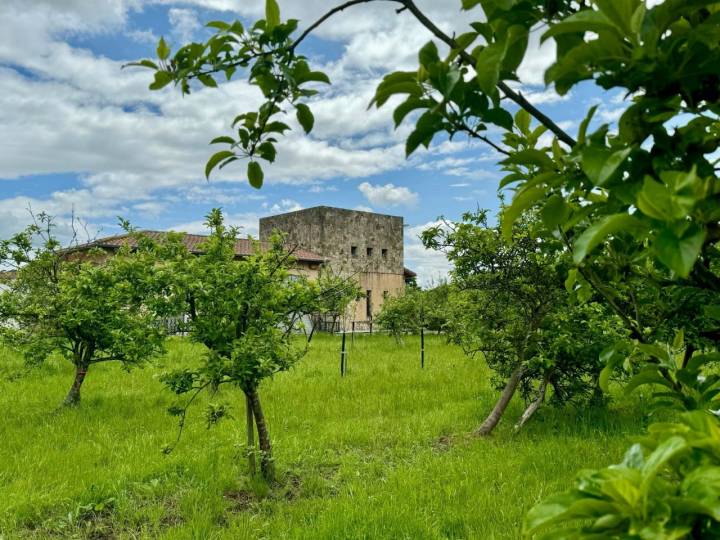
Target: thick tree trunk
{"x":73,"y":396}
{"x":494,"y":417}
{"x":250,"y":436}
{"x":267,"y":466}
{"x":534,"y":406}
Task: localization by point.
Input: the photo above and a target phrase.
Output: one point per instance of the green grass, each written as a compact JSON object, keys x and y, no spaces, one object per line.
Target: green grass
{"x":381,"y":453}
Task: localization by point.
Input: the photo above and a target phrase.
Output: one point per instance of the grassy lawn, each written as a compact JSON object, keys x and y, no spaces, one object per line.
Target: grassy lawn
{"x":381,"y":453}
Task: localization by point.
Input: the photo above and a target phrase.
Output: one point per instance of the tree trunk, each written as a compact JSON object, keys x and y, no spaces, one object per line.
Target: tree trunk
{"x":250,"y":436}
{"x":73,"y":396}
{"x":267,"y":467}
{"x":494,"y":417}
{"x":534,"y":406}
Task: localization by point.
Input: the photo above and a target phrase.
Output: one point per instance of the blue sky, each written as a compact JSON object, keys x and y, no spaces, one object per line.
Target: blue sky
{"x":81,"y":135}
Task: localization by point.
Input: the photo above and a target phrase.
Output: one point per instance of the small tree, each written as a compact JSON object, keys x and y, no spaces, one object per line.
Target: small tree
{"x":509,"y":303}
{"x":414,"y":309}
{"x":245,"y":312}
{"x":87,"y":308}
{"x":337,"y":292}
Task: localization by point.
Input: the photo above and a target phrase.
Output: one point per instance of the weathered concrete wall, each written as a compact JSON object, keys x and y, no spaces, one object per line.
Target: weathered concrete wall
{"x":364,"y":244}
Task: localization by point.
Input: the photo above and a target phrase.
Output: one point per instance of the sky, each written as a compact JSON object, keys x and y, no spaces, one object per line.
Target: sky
{"x":81,"y":136}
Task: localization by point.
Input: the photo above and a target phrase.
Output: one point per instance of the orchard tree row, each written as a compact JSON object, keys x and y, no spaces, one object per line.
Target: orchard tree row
{"x":88,"y":306}
{"x":628,"y":214}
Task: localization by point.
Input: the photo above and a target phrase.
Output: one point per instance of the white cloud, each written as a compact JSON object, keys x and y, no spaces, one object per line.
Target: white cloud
{"x":388,"y":195}
{"x":431,"y":266}
{"x":184,"y":24}
{"x":285,"y":205}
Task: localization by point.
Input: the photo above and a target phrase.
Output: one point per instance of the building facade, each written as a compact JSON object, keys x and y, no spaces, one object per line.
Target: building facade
{"x":365,"y":245}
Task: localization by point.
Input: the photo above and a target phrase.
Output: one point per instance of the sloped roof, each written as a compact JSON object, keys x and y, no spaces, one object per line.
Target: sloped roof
{"x":193,"y":242}
{"x":409,"y":273}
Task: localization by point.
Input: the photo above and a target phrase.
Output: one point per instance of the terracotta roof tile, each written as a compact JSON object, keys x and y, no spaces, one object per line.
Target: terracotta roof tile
{"x":193,"y":242}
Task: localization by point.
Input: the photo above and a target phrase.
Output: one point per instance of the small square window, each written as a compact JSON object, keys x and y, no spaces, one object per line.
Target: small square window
{"x":383,"y":253}
{"x":369,"y":252}
{"x":353,"y":251}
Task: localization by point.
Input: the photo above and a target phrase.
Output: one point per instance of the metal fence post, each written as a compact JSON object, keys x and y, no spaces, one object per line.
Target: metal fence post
{"x":343,"y":361}
{"x":422,"y":347}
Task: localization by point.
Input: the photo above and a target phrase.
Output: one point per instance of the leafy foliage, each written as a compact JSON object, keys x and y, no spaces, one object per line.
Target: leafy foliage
{"x":245,"y":313}
{"x":508,"y":301}
{"x":414,"y":309}
{"x":89,"y":308}
{"x":668,"y":486}
{"x":267,"y":53}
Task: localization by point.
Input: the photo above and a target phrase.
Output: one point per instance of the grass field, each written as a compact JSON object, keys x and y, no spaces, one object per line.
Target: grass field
{"x":381,"y":453}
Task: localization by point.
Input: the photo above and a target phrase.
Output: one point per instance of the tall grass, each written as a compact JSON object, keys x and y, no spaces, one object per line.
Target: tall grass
{"x":380,"y":453}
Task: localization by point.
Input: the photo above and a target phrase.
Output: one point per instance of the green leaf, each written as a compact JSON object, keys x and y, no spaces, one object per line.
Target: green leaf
{"x":215,"y":159}
{"x":638,"y":16}
{"x":428,"y":54}
{"x":665,"y":451}
{"x":555,"y":212}
{"x":587,"y":20}
{"x":571,"y":279}
{"x":499,"y":117}
{"x":142,"y":63}
{"x":698,"y":361}
{"x":609,"y":358}
{"x":305,"y":117}
{"x":517,"y":41}
{"x":407,"y":106}
{"x":267,"y":151}
{"x":416,"y":138}
{"x":521,"y":202}
{"x":596,"y":233}
{"x":161,"y":79}
{"x":163,"y":51}
{"x":600,"y":164}
{"x":679,"y":253}
{"x":488,"y":62}
{"x":272,"y":19}
{"x":255,"y":174}
{"x":584,"y":125}
{"x":223,"y":139}
{"x":207,"y":80}
{"x":384,"y":93}
{"x":522,"y":121}
{"x":619,"y":13}
{"x":316,"y":76}
{"x":648,"y":375}
{"x":660,"y":202}
{"x":469,"y":4}
{"x":530,"y":157}
{"x":220,"y":25}
{"x":549,"y":511}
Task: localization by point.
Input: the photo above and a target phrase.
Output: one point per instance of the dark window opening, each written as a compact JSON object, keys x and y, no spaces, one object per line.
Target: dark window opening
{"x":383,"y":253}
{"x":385,"y":295}
{"x":368,"y":304}
{"x":353,"y":251}
{"x":369,"y":252}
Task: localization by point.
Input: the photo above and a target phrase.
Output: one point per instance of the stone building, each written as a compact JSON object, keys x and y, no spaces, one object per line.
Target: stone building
{"x":362,"y":244}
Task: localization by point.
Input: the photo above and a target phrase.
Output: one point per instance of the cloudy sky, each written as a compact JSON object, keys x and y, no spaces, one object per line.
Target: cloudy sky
{"x":78,"y":134}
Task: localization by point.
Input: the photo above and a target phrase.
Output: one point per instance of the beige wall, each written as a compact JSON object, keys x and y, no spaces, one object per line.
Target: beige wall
{"x":377,"y":283}
{"x":309,"y":270}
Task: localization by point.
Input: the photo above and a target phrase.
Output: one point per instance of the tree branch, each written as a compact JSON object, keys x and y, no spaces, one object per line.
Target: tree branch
{"x":509,"y":92}
{"x":329,"y":14}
